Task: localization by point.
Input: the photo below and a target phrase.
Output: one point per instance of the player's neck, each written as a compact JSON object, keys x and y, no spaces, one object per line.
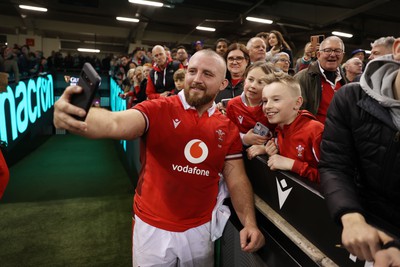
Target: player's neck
{"x":202,"y":109}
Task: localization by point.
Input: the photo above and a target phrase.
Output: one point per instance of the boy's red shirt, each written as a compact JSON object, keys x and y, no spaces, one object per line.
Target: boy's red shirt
{"x":301,"y":141}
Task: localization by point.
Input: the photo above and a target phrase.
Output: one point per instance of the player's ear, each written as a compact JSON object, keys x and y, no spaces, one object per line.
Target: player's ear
{"x":224,"y":84}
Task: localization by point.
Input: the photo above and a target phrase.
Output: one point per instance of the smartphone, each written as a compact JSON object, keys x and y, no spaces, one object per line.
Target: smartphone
{"x":89,"y":80}
{"x":225,"y":102}
{"x":262,"y":130}
{"x":315,"y":41}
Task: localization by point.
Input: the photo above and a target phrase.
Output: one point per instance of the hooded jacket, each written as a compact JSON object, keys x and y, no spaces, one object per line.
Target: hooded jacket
{"x":360,"y":149}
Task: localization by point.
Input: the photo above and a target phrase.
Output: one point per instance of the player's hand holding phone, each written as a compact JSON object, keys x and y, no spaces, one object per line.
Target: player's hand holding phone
{"x":73,"y":105}
{"x":89,"y":80}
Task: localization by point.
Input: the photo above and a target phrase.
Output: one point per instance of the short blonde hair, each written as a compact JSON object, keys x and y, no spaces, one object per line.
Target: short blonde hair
{"x":280,"y":77}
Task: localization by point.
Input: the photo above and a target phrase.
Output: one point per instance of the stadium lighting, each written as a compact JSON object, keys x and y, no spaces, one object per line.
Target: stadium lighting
{"x":260,"y":20}
{"x":342,"y":34}
{"x":89,"y":50}
{"x":147,"y":3}
{"x":127,"y":19}
{"x":33,"y":8}
{"x":208,"y":29}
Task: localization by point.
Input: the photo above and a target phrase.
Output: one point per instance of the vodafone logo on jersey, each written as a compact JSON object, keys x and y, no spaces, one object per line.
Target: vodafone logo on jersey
{"x":196,"y":151}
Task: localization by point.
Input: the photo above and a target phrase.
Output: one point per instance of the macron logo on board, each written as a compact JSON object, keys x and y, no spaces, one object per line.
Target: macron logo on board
{"x":283,"y":193}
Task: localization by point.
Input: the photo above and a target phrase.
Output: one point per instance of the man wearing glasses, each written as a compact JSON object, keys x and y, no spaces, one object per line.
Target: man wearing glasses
{"x":322,"y":78}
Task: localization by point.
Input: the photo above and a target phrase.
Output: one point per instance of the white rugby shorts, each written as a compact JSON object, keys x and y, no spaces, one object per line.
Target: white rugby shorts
{"x":152,"y":246}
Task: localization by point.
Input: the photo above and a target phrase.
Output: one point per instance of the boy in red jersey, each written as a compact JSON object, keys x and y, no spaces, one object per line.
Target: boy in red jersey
{"x":178,"y":184}
{"x":296,"y":147}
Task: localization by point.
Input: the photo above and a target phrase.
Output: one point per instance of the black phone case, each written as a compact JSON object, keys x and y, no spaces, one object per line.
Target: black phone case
{"x":89,"y":80}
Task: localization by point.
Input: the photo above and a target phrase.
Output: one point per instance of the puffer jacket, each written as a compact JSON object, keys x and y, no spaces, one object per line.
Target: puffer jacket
{"x":360,"y":158}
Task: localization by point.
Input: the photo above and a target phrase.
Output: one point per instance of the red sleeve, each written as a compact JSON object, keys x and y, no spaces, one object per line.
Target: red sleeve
{"x":235,"y":149}
{"x":151,"y":90}
{"x":304,"y":168}
{"x":4,"y":175}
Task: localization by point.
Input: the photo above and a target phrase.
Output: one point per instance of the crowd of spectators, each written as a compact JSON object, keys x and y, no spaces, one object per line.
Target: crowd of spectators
{"x":310,"y":82}
{"x":21,"y":62}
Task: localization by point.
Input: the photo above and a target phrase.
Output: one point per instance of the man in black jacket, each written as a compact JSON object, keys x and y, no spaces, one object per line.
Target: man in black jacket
{"x":360,"y":158}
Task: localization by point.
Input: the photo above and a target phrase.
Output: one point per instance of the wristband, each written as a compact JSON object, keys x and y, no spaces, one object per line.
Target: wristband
{"x":392,"y":244}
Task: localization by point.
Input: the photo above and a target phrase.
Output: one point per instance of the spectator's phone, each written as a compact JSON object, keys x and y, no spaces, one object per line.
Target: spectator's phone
{"x":315,"y":41}
{"x":262,"y":130}
{"x":89,"y":80}
{"x":225,"y":101}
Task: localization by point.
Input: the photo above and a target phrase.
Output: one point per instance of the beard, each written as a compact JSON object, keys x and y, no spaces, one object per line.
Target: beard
{"x":196,"y":100}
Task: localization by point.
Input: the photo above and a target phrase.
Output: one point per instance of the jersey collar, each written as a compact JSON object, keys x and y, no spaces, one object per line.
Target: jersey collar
{"x":186,"y":106}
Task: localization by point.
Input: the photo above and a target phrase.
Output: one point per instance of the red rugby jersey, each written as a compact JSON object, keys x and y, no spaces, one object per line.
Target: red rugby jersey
{"x":246,"y":117}
{"x":301,"y":141}
{"x":182,"y":155}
